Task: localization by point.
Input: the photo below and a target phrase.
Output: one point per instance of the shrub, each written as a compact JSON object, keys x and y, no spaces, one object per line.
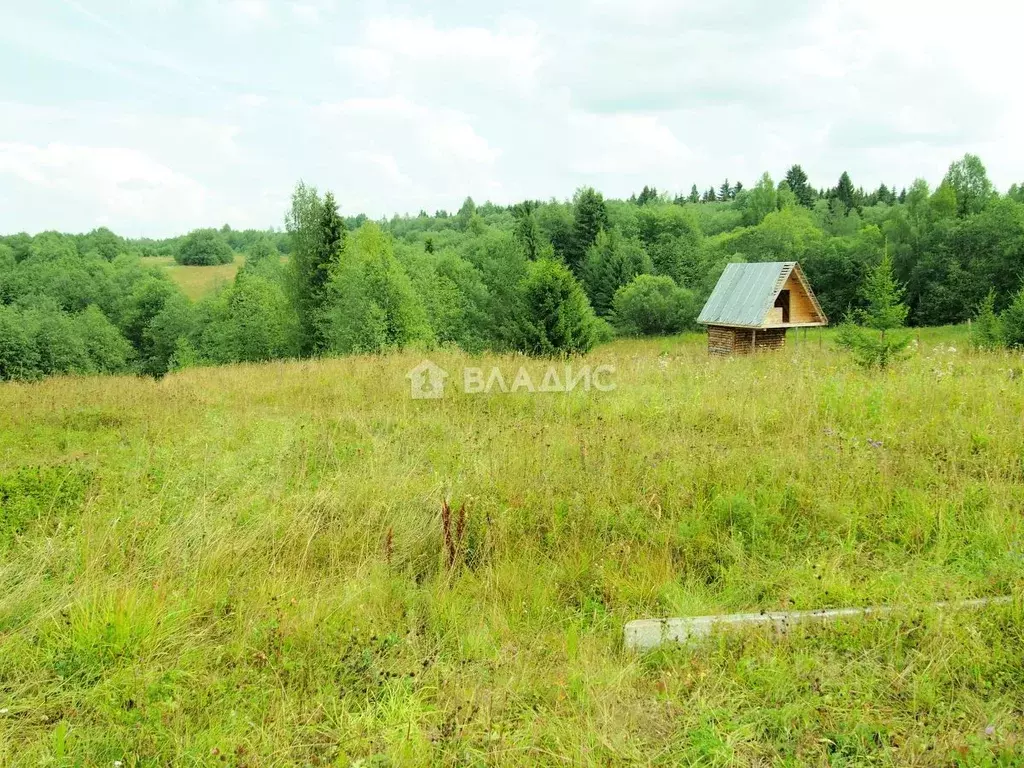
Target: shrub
{"x":986,"y":331}
{"x":204,"y":248}
{"x":654,"y":305}
{"x":19,"y":358}
{"x":1012,"y":321}
{"x":251,"y":321}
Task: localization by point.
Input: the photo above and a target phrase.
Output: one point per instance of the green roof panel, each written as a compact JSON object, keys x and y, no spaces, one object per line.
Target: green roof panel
{"x":745,"y":293}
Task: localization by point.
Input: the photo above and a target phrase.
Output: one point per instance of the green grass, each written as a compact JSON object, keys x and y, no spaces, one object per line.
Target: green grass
{"x":246,"y":566}
{"x":198,"y":282}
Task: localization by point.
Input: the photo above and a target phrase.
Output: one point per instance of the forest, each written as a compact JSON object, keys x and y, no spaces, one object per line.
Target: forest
{"x":542,"y":278}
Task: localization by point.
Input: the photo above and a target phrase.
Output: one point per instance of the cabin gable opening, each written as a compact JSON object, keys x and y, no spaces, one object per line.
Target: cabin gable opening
{"x":782,"y":302}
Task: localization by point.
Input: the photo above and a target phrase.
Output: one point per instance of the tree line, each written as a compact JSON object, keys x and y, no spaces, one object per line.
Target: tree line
{"x":540,"y":277}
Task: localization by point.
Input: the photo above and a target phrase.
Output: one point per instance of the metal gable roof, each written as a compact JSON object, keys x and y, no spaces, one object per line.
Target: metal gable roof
{"x":745,"y":293}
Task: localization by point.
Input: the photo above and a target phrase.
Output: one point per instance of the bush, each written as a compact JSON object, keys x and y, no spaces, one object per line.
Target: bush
{"x":557,"y":317}
{"x":204,"y":248}
{"x":871,"y":350}
{"x":251,"y":321}
{"x":652,"y":305}
{"x":44,"y":340}
{"x":986,"y":331}
{"x":19,"y":358}
{"x":1012,"y":321}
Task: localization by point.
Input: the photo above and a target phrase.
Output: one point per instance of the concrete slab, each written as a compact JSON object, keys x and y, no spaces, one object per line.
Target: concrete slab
{"x":645,"y":634}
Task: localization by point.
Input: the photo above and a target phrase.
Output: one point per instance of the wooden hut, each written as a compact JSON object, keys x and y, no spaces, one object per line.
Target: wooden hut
{"x":754,"y":305}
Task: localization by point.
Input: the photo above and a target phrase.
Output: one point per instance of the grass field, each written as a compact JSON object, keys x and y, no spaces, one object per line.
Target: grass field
{"x":246,"y":565}
{"x":197,"y":282}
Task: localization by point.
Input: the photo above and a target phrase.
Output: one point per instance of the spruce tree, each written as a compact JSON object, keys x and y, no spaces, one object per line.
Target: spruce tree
{"x":885,"y":313}
{"x":694,"y":194}
{"x":844,"y":191}
{"x":526,"y":229}
{"x":589,"y":217}
{"x":724,"y":191}
{"x":797,"y":180}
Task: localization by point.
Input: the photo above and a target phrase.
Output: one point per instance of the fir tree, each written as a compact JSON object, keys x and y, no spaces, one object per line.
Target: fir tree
{"x":797,"y":180}
{"x":589,"y":217}
{"x":885,"y":313}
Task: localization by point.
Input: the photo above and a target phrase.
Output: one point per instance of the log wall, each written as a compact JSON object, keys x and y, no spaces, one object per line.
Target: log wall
{"x":723,"y":340}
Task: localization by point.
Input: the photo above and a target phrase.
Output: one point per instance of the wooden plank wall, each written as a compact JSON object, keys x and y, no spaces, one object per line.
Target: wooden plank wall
{"x":741,"y":341}
{"x":801,"y":308}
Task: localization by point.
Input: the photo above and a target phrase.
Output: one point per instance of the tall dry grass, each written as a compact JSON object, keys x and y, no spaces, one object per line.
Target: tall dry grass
{"x":249,"y":565}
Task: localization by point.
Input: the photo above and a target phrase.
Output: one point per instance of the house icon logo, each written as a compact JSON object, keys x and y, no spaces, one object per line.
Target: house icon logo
{"x":427,"y":381}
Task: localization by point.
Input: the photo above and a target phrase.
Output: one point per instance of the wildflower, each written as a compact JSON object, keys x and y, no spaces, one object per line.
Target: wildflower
{"x":874,"y":443}
{"x":990,"y":731}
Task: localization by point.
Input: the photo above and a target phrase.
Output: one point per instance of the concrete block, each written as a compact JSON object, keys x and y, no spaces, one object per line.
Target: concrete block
{"x":645,"y":634}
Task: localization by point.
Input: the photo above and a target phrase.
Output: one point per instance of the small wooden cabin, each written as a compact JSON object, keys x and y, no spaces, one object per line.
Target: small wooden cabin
{"x":753,"y":305}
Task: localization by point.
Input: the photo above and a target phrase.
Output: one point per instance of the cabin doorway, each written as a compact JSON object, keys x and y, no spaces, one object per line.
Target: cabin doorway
{"x":782,"y":301}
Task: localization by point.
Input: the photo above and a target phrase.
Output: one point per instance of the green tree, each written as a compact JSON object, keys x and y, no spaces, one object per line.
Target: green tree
{"x":987,"y":331}
{"x":970,"y":182}
{"x":19,"y":358}
{"x":943,"y":202}
{"x":557,"y":318}
{"x":612,"y":262}
{"x":317,"y":238}
{"x":759,"y":201}
{"x":590,"y":216}
{"x":251,"y":321}
{"x":694,"y":196}
{"x":797,"y":181}
{"x":370,"y":303}
{"x":884,"y":313}
{"x":725,"y":191}
{"x":845,"y":192}
{"x":261,"y":252}
{"x":652,"y":305}
{"x":466,"y":213}
{"x":647,"y":195}
{"x":1012,"y":321}
{"x":204,"y":248}
{"x":527,"y":230}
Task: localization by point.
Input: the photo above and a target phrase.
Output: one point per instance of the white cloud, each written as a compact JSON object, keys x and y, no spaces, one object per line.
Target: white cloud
{"x":623,"y":144}
{"x":251,"y":10}
{"x":398,"y":109}
{"x":116,"y":182}
{"x":443,"y":135}
{"x":455,"y":61}
{"x":253,"y":100}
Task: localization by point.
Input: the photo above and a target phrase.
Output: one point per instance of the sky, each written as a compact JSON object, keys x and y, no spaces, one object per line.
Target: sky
{"x":154,"y":117}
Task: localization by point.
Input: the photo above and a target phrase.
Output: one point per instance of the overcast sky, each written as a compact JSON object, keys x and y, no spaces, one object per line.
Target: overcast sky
{"x":158,"y":116}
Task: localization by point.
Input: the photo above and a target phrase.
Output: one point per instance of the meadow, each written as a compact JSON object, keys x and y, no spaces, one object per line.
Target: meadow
{"x":249,"y":565}
{"x":197,"y":282}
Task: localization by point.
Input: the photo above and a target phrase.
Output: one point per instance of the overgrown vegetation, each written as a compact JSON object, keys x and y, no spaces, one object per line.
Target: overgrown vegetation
{"x":297,"y":564}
